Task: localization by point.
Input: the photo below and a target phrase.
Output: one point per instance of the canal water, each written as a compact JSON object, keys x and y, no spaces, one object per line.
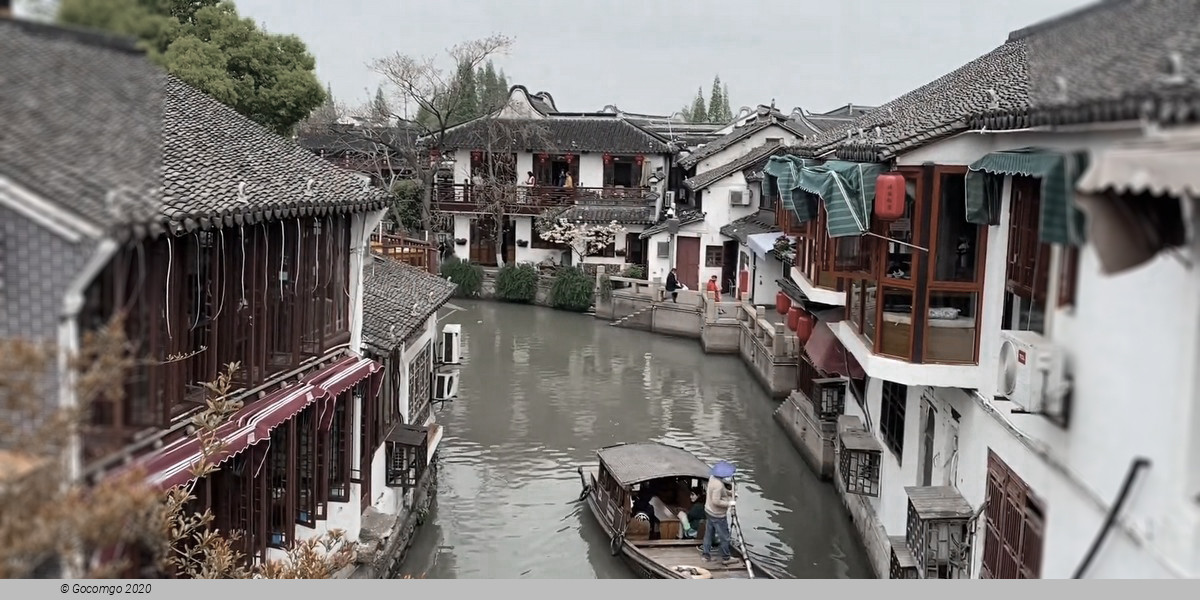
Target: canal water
{"x":541,"y":390}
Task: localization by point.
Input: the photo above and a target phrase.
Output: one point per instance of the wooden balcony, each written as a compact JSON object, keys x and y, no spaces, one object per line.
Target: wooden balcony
{"x":462,"y":197}
{"x":418,"y":253}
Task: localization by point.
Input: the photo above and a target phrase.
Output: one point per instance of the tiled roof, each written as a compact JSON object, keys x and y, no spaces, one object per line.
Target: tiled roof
{"x":1108,"y":61}
{"x":684,"y":219}
{"x":91,"y":124}
{"x":934,"y":110}
{"x":338,"y":138}
{"x":762,"y":221}
{"x":755,"y":158}
{"x":397,"y":300}
{"x":601,"y":213}
{"x":765,"y":119}
{"x":557,"y":133}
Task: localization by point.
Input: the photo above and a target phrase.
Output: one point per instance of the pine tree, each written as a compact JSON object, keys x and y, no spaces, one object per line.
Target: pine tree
{"x":727,"y":116}
{"x":380,"y":112}
{"x":502,"y":86}
{"x":699,"y":112}
{"x":489,"y":85}
{"x":716,"y":102}
{"x":468,"y":100}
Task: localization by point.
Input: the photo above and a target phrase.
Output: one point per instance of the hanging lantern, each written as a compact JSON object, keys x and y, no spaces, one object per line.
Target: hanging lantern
{"x":639,"y":159}
{"x":477,"y":155}
{"x":607,"y":158}
{"x":543,"y":157}
{"x":804,"y":327}
{"x":782,"y":303}
{"x":570,"y":158}
{"x":793,"y":317}
{"x":889,"y":196}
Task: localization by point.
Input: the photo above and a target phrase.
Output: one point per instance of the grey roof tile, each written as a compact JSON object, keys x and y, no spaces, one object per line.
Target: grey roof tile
{"x":605,"y":213}
{"x":397,"y":300}
{"x":593,"y":133}
{"x":755,"y":158}
{"x":91,"y":124}
{"x":684,"y":219}
{"x":762,"y":221}
{"x":765,"y":117}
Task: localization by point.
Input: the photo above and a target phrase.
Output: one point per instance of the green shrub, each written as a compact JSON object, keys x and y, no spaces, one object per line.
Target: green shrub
{"x":635,"y":272}
{"x":467,"y":276}
{"x":517,"y":283}
{"x":572,"y":290}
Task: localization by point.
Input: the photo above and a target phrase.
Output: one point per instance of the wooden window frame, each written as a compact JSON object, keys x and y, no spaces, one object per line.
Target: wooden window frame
{"x":281,"y":501}
{"x":1014,"y":522}
{"x":420,"y":384}
{"x":708,"y":254}
{"x":307,"y":426}
{"x":405,"y":465}
{"x":934,"y":286}
{"x":540,"y":243}
{"x":892,"y":416}
{"x":341,"y":449}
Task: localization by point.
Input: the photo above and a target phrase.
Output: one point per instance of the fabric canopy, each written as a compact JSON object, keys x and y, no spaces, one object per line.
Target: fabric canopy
{"x":1060,"y":221}
{"x":1160,"y":167}
{"x":829,"y":355}
{"x":762,"y":243}
{"x":846,"y":188}
{"x":342,"y":375}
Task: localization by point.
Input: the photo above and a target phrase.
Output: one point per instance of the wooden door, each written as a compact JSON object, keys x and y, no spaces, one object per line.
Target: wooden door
{"x":1014,"y":522}
{"x":687,"y":261}
{"x":729,"y":267}
{"x":635,"y":249}
{"x":483,"y":245}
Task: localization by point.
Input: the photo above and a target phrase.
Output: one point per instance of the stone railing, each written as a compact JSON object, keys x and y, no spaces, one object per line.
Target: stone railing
{"x":775,"y":338}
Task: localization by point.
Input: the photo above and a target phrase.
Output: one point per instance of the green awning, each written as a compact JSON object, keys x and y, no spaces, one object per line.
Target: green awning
{"x":1060,"y":221}
{"x":847,"y":189}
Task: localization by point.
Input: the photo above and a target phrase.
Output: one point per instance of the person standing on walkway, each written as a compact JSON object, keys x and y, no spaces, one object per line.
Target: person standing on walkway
{"x":673,"y":285}
{"x":714,"y":289}
{"x":716,"y":508}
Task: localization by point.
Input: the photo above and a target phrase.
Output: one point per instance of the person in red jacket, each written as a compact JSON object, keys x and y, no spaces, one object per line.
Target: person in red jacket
{"x":714,"y":288}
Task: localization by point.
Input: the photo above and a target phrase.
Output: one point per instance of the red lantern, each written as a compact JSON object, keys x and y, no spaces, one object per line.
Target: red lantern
{"x":744,"y":282}
{"x":793,"y":317}
{"x":543,"y":157}
{"x":804,"y":326}
{"x":570,"y":158}
{"x":782,"y":303}
{"x":640,"y":159}
{"x":607,"y":158}
{"x":433,"y":156}
{"x":889,"y":196}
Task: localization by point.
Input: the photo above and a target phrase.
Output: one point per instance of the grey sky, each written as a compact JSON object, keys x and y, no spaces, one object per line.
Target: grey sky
{"x":651,"y":57}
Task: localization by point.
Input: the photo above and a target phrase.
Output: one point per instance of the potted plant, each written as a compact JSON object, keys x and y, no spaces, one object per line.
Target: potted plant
{"x":522,"y":243}
{"x":461,"y":241}
{"x":782,"y":244}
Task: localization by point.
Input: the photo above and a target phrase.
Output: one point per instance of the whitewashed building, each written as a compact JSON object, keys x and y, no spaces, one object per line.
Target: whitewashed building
{"x":1031,"y":406}
{"x":616,"y":168}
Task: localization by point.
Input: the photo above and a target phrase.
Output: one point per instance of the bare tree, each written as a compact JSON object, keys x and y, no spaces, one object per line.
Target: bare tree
{"x":498,"y":190}
{"x":50,"y":522}
{"x":421,"y":85}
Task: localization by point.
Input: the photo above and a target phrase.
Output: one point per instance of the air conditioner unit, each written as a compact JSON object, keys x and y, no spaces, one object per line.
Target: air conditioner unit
{"x":1032,"y":372}
{"x":739,"y":198}
{"x":450,"y":347}
{"x":445,"y":386}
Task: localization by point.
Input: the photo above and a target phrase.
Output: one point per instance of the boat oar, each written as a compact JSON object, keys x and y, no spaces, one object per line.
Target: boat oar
{"x":741,"y":539}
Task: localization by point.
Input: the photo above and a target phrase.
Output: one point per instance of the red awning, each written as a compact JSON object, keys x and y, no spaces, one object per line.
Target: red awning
{"x":829,"y":355}
{"x":172,"y":465}
{"x":342,"y":375}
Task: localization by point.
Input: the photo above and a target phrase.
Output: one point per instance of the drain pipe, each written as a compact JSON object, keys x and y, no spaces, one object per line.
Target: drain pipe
{"x":1137,"y":465}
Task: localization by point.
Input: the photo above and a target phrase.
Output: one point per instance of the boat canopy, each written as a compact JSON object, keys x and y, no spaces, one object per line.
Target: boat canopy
{"x":643,"y":461}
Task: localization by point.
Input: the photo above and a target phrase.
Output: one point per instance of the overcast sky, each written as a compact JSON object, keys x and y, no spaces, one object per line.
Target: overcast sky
{"x":650,"y":56}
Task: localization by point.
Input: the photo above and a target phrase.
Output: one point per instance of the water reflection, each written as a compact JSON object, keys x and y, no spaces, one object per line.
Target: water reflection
{"x":543,"y":389}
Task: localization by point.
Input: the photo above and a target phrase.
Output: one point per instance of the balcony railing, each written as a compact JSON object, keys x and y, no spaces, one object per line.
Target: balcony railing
{"x":417,"y":253}
{"x":465,"y":197}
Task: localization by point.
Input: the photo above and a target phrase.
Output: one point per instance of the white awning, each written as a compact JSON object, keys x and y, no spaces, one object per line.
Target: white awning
{"x":1162,"y":166}
{"x":762,"y":243}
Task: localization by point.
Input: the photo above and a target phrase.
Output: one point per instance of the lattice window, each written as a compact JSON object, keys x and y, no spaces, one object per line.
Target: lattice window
{"x":1014,"y":526}
{"x":829,"y":397}
{"x":859,"y":457}
{"x":420,"y":371}
{"x":891,"y":420}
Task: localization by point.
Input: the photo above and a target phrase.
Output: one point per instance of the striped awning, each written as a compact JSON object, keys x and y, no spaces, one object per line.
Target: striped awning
{"x":173,"y":464}
{"x":846,"y":188}
{"x":1060,"y":221}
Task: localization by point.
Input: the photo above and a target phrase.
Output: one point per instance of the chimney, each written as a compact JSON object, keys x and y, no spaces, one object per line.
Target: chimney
{"x":6,"y":9}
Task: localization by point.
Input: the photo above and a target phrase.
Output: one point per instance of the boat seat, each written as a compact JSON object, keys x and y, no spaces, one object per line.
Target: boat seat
{"x":637,"y":530}
{"x":669,"y":529}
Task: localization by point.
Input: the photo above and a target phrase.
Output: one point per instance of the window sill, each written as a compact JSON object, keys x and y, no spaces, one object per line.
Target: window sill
{"x":902,"y":371}
{"x":817,"y":294}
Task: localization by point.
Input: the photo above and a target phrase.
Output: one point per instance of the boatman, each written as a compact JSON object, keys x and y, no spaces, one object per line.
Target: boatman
{"x":716,"y":506}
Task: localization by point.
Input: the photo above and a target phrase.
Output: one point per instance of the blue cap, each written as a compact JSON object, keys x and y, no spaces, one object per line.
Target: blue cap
{"x":723,"y":469}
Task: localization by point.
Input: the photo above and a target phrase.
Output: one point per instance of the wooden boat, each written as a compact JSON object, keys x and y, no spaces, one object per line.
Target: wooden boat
{"x":627,"y":470}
